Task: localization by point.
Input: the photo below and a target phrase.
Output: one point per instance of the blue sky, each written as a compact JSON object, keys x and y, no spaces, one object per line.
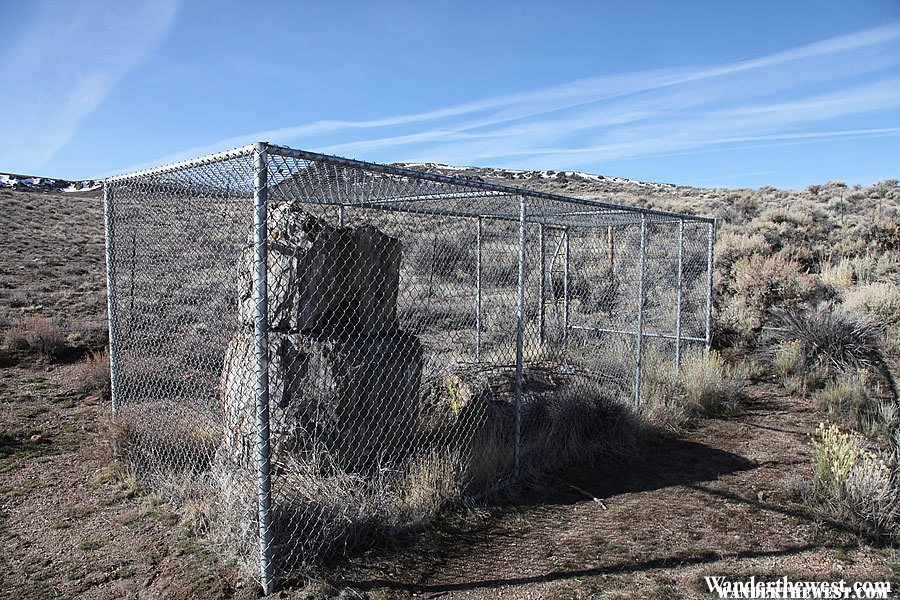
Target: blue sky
{"x":738,"y":94}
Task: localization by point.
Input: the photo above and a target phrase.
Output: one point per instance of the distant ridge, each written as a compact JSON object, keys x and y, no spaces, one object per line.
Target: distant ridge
{"x":46,"y":184}
{"x":497,"y":173}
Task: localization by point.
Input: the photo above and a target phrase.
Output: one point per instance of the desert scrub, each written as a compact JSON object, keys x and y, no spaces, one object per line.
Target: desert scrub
{"x":760,"y":283}
{"x":851,"y":401}
{"x":856,"y":486}
{"x":835,"y":342}
{"x":731,"y":246}
{"x":92,"y":375}
{"x":788,"y":362}
{"x":579,"y":428}
{"x":881,"y":300}
{"x":840,"y":274}
{"x":443,"y":258}
{"x":788,"y":359}
{"x":705,"y":386}
{"x":426,"y":485}
{"x":38,"y":335}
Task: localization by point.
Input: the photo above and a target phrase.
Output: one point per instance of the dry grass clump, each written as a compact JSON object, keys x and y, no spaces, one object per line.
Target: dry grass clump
{"x":38,"y":335}
{"x":705,"y":386}
{"x":489,"y":467}
{"x":855,"y":485}
{"x":789,"y":359}
{"x":881,"y":300}
{"x":662,"y":403}
{"x":709,"y":385}
{"x":321,"y":511}
{"x":92,"y":375}
{"x":425,"y":486}
{"x":157,"y":439}
{"x":849,"y":271}
{"x":577,"y":428}
{"x":789,"y":363}
{"x":851,"y":401}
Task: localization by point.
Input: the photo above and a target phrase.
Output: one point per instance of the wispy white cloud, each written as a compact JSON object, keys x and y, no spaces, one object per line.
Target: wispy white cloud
{"x":795,"y":94}
{"x":71,"y":56}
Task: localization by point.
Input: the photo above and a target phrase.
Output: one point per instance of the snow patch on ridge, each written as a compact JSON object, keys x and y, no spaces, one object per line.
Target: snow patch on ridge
{"x":46,"y":184}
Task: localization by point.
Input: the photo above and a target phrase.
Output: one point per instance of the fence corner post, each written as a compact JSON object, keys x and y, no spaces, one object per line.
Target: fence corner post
{"x":639,"y":337}
{"x":542,"y":290}
{"x":520,"y":334}
{"x":678,"y":295}
{"x":110,"y":296}
{"x":566,"y":290}
{"x":711,"y":234}
{"x":261,"y":365}
{"x":478,"y":292}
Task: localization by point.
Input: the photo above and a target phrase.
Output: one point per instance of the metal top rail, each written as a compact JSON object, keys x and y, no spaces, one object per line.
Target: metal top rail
{"x":496,"y":188}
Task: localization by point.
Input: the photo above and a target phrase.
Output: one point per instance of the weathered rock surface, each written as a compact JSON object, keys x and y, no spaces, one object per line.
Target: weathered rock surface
{"x":325,"y":278}
{"x":343,"y":379}
{"x":354,"y":396}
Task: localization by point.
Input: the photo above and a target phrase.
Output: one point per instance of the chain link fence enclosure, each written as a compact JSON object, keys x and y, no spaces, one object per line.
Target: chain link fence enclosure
{"x":313,"y":352}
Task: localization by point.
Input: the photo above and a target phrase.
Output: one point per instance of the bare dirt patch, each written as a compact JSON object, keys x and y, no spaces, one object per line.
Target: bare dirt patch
{"x":70,"y":525}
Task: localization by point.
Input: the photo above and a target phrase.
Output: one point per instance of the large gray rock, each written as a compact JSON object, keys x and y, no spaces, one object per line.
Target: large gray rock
{"x":356,"y":397}
{"x":324,"y":278}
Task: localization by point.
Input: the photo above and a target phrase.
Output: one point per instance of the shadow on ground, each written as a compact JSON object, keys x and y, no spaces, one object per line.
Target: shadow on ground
{"x":665,"y":463}
{"x":570,"y":574}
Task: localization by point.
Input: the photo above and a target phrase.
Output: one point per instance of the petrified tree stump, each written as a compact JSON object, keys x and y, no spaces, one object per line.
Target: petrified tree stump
{"x":354,"y":396}
{"x":325,"y":278}
{"x":342,"y":377}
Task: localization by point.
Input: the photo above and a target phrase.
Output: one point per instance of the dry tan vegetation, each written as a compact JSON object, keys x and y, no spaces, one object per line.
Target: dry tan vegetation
{"x":36,"y":334}
{"x":92,"y":374}
{"x":807,"y":289}
{"x":704,"y":387}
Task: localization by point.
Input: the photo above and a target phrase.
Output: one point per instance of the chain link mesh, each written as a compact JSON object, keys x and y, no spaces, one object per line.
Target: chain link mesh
{"x":421,"y":337}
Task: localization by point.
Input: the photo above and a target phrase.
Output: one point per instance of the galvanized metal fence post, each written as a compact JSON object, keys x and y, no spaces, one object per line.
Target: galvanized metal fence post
{"x":640,"y":315}
{"x":566,"y":288}
{"x":110,"y":296}
{"x":709,"y":284}
{"x":520,"y":335}
{"x":678,"y":295}
{"x":478,"y":292}
{"x":261,"y":350}
{"x":341,"y":215}
{"x":542,"y":292}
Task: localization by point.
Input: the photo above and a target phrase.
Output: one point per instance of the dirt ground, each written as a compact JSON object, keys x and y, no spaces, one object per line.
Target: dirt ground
{"x":713,"y":502}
